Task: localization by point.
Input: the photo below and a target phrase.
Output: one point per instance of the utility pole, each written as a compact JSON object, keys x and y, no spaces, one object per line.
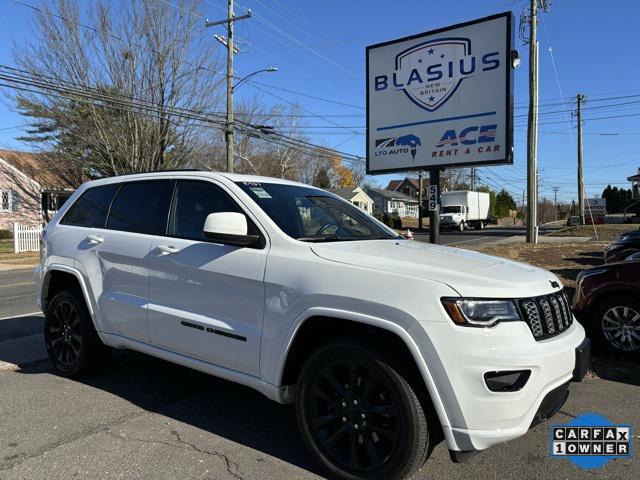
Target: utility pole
{"x":580,"y":98}
{"x":532,"y":128}
{"x":473,"y":179}
{"x":555,"y":202}
{"x":231,"y":18}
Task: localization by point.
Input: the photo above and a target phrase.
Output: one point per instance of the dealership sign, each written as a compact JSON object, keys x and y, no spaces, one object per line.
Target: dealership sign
{"x":441,"y":98}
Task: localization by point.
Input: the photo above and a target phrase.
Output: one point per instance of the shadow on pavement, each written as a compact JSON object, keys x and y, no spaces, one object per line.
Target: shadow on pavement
{"x":616,"y":369}
{"x":12,"y":328}
{"x":225,"y":409}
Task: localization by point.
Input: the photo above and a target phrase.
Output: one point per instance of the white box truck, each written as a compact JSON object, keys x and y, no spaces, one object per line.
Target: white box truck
{"x":463,"y":209}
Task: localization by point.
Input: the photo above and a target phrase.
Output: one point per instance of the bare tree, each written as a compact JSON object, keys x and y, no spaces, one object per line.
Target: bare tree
{"x":146,"y":52}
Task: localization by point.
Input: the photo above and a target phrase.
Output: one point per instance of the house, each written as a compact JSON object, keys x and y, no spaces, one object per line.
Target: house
{"x":357,"y":196}
{"x":31,"y":189}
{"x":635,"y":184}
{"x":390,"y":202}
{"x":409,"y":186}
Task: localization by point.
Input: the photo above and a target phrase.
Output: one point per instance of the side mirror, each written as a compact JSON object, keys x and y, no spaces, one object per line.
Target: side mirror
{"x":229,"y":228}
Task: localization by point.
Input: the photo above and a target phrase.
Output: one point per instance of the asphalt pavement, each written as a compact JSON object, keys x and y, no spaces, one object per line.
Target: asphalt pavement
{"x":17,"y":295}
{"x":143,"y":418}
{"x":477,"y":237}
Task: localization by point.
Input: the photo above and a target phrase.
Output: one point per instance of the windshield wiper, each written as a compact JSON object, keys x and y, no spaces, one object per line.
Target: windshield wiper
{"x":319,"y":238}
{"x":335,"y":238}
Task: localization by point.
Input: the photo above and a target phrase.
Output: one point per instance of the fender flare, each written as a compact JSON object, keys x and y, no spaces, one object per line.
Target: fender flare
{"x":394,"y":328}
{"x":83,"y":287}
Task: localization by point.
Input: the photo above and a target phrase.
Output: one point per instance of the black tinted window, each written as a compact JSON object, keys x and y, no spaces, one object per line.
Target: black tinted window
{"x":141,"y":207}
{"x":91,"y":209}
{"x":192,"y":203}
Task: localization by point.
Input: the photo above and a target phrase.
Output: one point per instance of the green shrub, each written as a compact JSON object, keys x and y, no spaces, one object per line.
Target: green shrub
{"x":396,"y":222}
{"x":6,"y":234}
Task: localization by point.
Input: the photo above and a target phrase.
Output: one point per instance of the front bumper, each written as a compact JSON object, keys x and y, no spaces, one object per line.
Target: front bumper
{"x":480,"y":418}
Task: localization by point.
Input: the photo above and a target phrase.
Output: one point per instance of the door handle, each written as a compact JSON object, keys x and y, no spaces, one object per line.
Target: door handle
{"x":95,"y":239}
{"x":167,"y":249}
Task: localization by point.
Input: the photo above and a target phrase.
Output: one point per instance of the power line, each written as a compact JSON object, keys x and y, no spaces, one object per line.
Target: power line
{"x":90,"y":95}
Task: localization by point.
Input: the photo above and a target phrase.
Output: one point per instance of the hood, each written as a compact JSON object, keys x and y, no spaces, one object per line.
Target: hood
{"x":471,"y":274}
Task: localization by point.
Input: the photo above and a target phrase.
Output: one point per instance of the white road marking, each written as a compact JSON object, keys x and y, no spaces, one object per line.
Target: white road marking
{"x":477,"y":239}
{"x":17,"y":284}
{"x":38,"y":312}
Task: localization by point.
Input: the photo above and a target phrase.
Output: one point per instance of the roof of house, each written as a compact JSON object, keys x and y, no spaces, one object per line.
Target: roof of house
{"x":39,"y":167}
{"x":395,"y":184}
{"x":391,"y":195}
{"x":634,"y":178}
{"x":346,"y":193}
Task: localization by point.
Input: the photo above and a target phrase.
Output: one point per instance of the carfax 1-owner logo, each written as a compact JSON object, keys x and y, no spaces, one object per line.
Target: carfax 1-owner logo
{"x":590,"y":441}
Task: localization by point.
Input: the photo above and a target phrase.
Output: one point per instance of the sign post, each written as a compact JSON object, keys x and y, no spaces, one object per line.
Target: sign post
{"x":434,"y":205}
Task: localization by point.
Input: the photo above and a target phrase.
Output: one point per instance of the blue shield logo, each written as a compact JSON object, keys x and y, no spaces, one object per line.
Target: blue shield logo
{"x":430,"y":72}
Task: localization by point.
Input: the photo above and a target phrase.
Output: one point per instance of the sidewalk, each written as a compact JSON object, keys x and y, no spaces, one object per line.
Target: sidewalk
{"x":18,"y":261}
{"x":541,"y":239}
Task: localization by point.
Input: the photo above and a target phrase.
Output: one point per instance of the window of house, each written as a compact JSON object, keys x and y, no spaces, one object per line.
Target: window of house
{"x":5,"y":200}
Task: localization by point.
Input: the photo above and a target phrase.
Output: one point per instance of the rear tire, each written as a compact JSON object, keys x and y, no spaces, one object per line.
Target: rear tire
{"x":70,"y":337}
{"x":359,"y":416}
{"x":616,"y":325}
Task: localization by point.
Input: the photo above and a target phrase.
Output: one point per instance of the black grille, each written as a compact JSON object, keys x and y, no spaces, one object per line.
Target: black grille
{"x":548,"y":315}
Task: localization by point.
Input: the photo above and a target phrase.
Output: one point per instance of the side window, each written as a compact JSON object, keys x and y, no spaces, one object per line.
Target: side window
{"x":91,"y":209}
{"x":141,"y":207}
{"x":193,"y":201}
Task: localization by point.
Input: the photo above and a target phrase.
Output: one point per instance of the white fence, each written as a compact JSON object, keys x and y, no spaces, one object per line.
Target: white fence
{"x":26,"y":238}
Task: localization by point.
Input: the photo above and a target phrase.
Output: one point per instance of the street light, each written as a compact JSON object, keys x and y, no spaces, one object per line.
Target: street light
{"x":246,"y":77}
{"x":229,"y":133}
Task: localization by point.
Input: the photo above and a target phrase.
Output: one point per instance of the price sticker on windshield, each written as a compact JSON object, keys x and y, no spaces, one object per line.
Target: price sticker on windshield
{"x":433,"y":198}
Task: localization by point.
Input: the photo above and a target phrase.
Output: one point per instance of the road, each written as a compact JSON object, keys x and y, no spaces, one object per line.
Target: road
{"x":16,"y":292}
{"x":478,"y":237}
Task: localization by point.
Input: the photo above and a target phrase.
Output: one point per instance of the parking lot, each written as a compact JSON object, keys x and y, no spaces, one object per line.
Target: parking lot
{"x":145,"y":418}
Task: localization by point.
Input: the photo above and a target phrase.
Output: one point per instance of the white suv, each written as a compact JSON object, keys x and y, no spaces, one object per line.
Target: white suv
{"x":385,"y":345}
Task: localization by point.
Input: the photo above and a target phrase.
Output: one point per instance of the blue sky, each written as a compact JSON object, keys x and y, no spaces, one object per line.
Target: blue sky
{"x":318,"y":47}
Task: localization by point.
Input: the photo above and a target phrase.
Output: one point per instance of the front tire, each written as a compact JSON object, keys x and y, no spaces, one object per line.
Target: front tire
{"x":358,"y":415}
{"x":616,"y":325}
{"x":461,"y":227}
{"x":70,"y":338}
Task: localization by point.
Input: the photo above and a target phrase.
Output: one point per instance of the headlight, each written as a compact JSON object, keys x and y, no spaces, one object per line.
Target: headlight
{"x":480,"y":313}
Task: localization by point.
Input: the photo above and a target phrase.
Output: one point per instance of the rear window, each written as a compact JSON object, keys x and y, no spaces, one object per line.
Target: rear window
{"x":141,"y":207}
{"x":91,"y":209}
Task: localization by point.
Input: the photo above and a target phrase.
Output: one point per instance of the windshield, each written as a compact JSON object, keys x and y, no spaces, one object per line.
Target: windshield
{"x":312,"y":215}
{"x":451,"y":209}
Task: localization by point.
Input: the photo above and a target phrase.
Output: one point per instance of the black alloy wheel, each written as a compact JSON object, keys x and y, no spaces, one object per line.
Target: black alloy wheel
{"x":359,"y":416}
{"x":65,"y":332}
{"x":70,"y":337}
{"x":355,"y":418}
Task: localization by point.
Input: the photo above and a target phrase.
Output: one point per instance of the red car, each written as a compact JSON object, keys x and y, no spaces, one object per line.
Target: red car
{"x":607,"y":303}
